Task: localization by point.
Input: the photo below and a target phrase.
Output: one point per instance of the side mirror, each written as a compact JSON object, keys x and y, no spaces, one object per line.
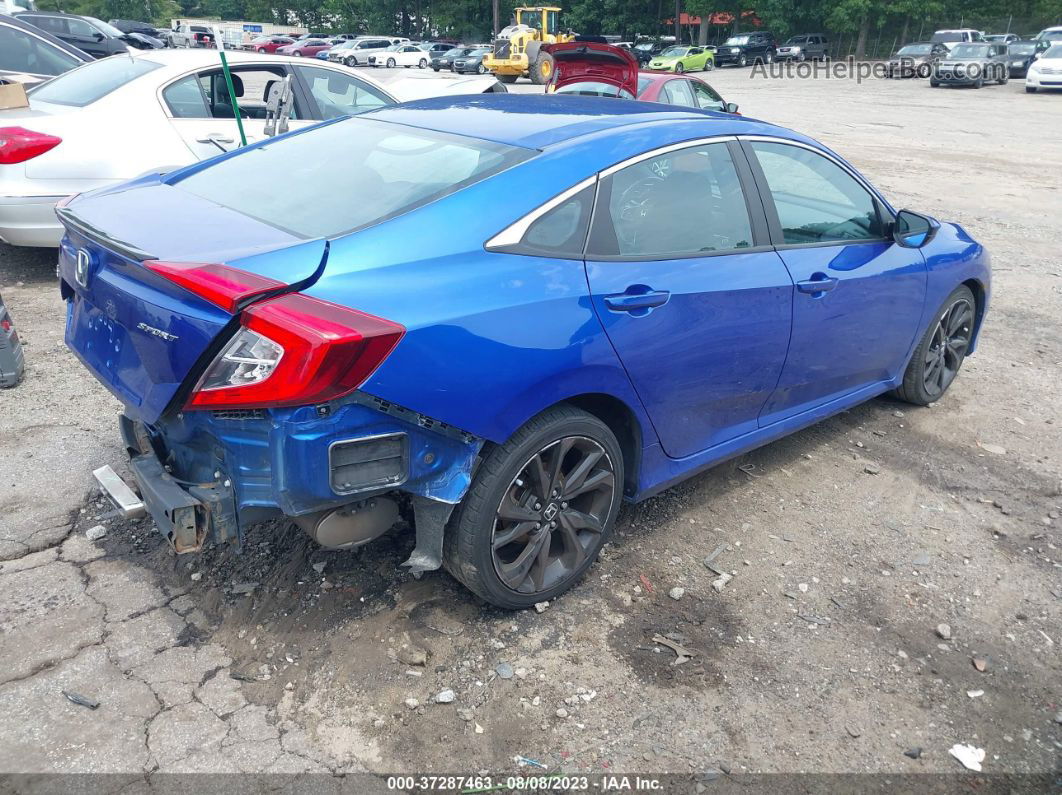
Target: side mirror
{"x":731,"y":107}
{"x":99,"y":36}
{"x":912,"y":230}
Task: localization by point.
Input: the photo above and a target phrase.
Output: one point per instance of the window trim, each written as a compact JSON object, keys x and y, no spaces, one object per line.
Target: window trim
{"x":512,"y":235}
{"x":886,"y":214}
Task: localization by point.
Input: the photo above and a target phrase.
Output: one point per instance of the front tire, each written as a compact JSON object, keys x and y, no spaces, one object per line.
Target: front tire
{"x":709,"y":65}
{"x":1030,"y":90}
{"x":538,"y":511}
{"x":390,"y":63}
{"x":940,"y":354}
{"x":743,"y":61}
{"x":481,"y":70}
{"x":351,"y":62}
{"x":679,"y":68}
{"x":542,"y":69}
{"x":423,"y":64}
{"x":510,"y":79}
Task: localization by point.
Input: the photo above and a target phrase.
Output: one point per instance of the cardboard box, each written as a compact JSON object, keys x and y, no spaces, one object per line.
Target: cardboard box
{"x":13,"y":95}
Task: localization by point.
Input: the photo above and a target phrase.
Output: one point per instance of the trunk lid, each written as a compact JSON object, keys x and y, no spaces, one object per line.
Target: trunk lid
{"x":143,"y":336}
{"x":579,"y":61}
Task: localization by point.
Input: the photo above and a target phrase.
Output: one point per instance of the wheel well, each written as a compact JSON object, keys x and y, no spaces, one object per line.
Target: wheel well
{"x":978,"y":291}
{"x":622,"y":422}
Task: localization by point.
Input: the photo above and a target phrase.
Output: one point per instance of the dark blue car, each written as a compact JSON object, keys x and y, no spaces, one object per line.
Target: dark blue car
{"x":515,"y":313}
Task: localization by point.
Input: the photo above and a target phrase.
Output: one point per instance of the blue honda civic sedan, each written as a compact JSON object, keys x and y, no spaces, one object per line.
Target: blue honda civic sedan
{"x":515,"y":313}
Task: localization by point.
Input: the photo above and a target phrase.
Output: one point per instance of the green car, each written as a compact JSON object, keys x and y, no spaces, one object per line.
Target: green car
{"x":683,"y":59}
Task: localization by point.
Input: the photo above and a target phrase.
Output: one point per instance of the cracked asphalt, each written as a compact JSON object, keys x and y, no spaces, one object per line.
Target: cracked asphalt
{"x":822,"y":654}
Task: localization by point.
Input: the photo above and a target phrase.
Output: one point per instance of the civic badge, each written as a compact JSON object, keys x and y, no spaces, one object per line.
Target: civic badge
{"x":81,"y":267}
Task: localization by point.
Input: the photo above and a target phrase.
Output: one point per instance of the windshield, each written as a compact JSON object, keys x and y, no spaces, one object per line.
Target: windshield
{"x":1021,"y":49}
{"x":672,"y":52}
{"x":593,"y":88}
{"x":381,"y":170}
{"x":947,"y":36}
{"x":645,"y":46}
{"x":797,"y":40}
{"x":394,"y":48}
{"x":969,"y":51}
{"x":737,"y":40}
{"x":1054,"y":51}
{"x":454,"y":52}
{"x":916,"y":49}
{"x":1050,"y":34}
{"x":108,"y":30}
{"x":93,"y":81}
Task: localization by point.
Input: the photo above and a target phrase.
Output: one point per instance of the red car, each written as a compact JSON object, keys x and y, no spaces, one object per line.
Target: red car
{"x":268,"y":43}
{"x":595,"y":69}
{"x":306,"y":47}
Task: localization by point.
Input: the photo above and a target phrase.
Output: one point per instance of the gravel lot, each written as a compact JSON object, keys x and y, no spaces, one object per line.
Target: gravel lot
{"x":824,"y":653}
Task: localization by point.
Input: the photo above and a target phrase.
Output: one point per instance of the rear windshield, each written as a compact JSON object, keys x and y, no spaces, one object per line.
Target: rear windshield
{"x":947,"y":36}
{"x":93,"y":81}
{"x":348,"y":175}
{"x":1021,"y":49}
{"x":970,"y":51}
{"x":916,"y":49}
{"x":594,"y":88}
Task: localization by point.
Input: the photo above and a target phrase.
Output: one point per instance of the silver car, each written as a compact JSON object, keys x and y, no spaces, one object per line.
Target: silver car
{"x":358,"y":53}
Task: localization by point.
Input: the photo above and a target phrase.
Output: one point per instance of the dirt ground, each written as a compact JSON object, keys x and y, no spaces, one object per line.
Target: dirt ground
{"x":825,"y":652}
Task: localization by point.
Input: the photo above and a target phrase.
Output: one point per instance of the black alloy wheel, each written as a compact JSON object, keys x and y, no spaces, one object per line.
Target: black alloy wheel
{"x":553,"y":514}
{"x":940,"y":354}
{"x":538,"y":511}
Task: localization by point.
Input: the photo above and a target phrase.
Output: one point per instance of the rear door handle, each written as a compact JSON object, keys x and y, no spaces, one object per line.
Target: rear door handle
{"x":818,"y":283}
{"x":628,"y":302}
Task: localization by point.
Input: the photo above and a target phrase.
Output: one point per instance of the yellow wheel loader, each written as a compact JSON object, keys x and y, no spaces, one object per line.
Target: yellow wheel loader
{"x":517,"y":47}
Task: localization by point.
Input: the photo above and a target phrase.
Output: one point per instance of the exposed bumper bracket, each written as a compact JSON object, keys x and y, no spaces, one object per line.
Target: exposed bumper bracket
{"x":430,"y":518}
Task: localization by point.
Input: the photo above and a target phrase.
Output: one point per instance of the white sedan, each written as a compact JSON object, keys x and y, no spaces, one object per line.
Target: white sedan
{"x":154,"y":110}
{"x":401,"y":55}
{"x":1045,"y":71}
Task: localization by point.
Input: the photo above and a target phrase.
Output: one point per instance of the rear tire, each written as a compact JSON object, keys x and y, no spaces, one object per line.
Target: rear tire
{"x":507,"y":78}
{"x":261,"y":49}
{"x":435,"y":68}
{"x":940,"y":354}
{"x":423,"y":64}
{"x":1030,"y":90}
{"x":709,"y":65}
{"x":539,"y":465}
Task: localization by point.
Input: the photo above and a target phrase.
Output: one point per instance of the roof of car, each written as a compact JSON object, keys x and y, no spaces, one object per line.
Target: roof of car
{"x":539,"y":120}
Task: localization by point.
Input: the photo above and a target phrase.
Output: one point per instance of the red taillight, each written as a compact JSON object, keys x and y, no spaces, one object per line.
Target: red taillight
{"x":17,"y":144}
{"x":221,"y":285}
{"x":326,"y":351}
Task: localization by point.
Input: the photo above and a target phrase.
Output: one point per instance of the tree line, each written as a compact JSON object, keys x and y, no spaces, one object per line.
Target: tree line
{"x":861,"y":23}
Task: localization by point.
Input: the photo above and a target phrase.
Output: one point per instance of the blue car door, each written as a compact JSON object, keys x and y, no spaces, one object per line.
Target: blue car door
{"x":693,"y":298}
{"x":859,"y":296}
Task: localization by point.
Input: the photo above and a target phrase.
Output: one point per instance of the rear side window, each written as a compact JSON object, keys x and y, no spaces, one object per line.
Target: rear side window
{"x":24,"y":52}
{"x":92,"y":82}
{"x":560,"y":232}
{"x":370,"y":170}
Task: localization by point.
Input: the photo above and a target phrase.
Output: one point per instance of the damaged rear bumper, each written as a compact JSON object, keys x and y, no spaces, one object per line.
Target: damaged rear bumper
{"x":205,"y":476}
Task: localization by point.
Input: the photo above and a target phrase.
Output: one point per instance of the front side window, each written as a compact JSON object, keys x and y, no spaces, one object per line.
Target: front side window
{"x":24,"y":52}
{"x":380,"y":170}
{"x":92,"y":82}
{"x":706,"y":97}
{"x":679,"y":204}
{"x":817,"y":201}
{"x":338,"y":94}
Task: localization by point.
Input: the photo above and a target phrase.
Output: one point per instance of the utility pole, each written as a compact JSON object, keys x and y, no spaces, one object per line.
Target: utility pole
{"x":496,"y":27}
{"x":678,"y":21}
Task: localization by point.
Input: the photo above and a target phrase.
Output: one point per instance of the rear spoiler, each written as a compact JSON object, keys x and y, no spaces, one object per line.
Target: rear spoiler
{"x":70,"y":219}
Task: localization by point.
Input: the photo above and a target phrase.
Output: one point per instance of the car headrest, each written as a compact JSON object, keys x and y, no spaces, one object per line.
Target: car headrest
{"x":237,"y":85}
{"x":268,"y":88}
